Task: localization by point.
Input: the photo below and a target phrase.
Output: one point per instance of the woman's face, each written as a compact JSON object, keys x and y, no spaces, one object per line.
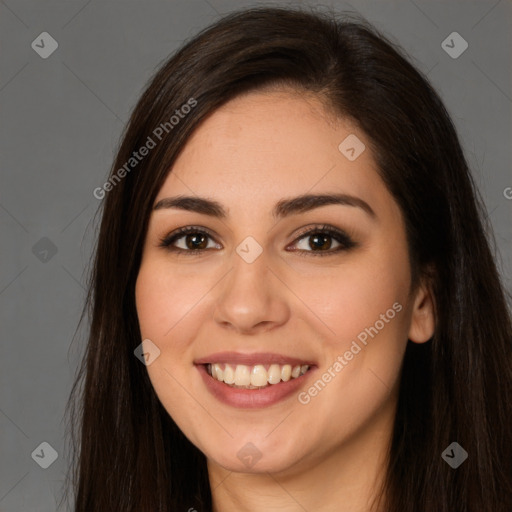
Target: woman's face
{"x":271,"y":291}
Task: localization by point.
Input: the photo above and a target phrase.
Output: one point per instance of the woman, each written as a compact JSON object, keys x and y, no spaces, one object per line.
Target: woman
{"x":294,"y":302}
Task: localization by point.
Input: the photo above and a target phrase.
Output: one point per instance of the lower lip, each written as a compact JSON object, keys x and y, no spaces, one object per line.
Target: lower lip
{"x":251,"y":398}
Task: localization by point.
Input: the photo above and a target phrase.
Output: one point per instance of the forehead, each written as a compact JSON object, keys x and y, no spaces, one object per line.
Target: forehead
{"x":264,"y":145}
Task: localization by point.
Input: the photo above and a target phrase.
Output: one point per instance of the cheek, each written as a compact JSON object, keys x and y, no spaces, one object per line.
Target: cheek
{"x":345,"y":300}
{"x":164,"y":297}
{"x":365,"y":306}
{"x":166,"y":303}
{"x":362,"y":360}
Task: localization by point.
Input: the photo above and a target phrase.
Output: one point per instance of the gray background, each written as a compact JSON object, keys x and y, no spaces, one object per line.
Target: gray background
{"x":61,"y":119}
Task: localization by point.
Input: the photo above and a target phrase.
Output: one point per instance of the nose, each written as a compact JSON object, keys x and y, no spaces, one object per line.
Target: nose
{"x":252,"y":299}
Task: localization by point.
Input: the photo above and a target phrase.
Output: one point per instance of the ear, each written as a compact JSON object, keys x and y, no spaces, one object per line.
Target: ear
{"x":423,"y":314}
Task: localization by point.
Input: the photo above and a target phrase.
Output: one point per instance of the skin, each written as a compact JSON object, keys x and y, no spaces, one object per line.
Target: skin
{"x":328,"y":454}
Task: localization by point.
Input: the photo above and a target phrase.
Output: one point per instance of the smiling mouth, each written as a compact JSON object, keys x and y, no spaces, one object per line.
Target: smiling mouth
{"x":254,"y":377}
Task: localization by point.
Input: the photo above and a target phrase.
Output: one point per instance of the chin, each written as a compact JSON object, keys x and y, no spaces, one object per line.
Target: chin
{"x":254,"y":458}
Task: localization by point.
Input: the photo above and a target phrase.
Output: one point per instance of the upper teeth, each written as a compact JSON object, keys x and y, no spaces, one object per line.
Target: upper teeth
{"x":255,"y":376}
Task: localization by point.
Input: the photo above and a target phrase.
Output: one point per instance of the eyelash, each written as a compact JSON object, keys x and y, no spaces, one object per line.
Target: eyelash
{"x":342,"y":238}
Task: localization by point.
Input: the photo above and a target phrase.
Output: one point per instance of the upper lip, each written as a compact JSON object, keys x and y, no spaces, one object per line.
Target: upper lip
{"x":251,"y":359}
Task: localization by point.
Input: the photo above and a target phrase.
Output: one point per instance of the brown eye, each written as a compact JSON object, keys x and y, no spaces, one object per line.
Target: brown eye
{"x":196,"y":241}
{"x":189,"y":239}
{"x":318,"y":241}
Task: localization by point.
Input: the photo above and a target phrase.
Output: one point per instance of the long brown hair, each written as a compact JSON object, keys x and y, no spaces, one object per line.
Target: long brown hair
{"x":129,"y":454}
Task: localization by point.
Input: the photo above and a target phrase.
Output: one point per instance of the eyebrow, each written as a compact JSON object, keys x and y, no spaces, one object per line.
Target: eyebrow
{"x":283,"y":208}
